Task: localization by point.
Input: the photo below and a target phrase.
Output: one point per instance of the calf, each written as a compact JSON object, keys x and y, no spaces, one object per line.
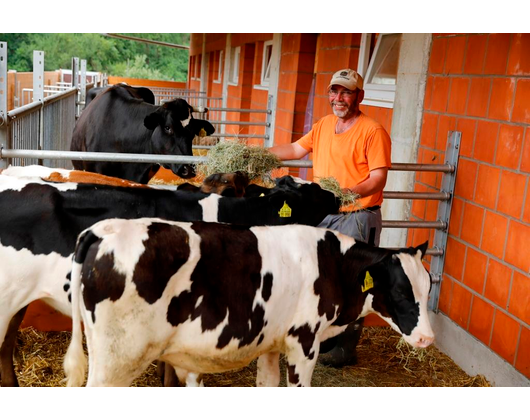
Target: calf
{"x":40,"y":221}
{"x":231,"y":184}
{"x":208,"y":297}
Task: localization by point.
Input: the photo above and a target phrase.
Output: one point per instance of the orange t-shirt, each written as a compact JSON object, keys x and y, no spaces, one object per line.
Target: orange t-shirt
{"x":350,"y":156}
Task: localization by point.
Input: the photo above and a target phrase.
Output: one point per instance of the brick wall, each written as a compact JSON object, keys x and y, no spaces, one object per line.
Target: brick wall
{"x":479,"y":84}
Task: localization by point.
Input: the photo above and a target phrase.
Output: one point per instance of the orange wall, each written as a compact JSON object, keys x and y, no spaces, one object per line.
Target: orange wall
{"x":145,"y":82}
{"x":479,"y":84}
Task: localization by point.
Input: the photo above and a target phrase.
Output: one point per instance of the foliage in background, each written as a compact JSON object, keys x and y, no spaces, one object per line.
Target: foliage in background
{"x":113,"y":56}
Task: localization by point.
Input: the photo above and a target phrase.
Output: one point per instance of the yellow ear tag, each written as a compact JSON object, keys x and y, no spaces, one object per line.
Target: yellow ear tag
{"x":262,"y":195}
{"x":368,"y":282}
{"x":285,"y":211}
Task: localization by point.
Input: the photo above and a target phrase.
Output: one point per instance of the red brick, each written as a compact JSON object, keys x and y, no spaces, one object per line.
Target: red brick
{"x":511,"y":193}
{"x":454,"y":261}
{"x":472,"y":224}
{"x":446,"y":291}
{"x":519,"y":58}
{"x":440,"y":93}
{"x":518,"y":245}
{"x":501,"y":100}
{"x":525,"y":161}
{"x":446,"y":123}
{"x":479,"y":94}
{"x":475,"y":270}
{"x":475,"y":54}
{"x":437,"y":58}
{"x":418,"y":206}
{"x":498,"y":283}
{"x":497,"y":54}
{"x":485,"y":141}
{"x":481,"y":320}
{"x":428,"y":93}
{"x":460,"y":305}
{"x":521,"y":106}
{"x":459,"y":94}
{"x":487,"y":185}
{"x":456,"y":216}
{"x":522,"y":364}
{"x":494,"y":235}
{"x":520,"y":297}
{"x":509,"y":146}
{"x":466,"y":179}
{"x":505,"y":335}
{"x":454,"y":59}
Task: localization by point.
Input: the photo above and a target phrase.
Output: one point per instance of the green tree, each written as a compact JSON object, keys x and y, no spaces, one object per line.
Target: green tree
{"x":104,"y":54}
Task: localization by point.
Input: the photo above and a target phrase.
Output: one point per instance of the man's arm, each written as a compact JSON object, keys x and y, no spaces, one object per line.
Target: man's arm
{"x":375,"y":183}
{"x":289,"y":151}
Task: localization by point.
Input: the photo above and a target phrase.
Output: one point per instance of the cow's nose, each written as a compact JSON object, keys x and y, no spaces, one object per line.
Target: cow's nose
{"x":186,"y":171}
{"x":424,"y":341}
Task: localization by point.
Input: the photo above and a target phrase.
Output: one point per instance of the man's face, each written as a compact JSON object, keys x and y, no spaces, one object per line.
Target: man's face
{"x":343,"y":101}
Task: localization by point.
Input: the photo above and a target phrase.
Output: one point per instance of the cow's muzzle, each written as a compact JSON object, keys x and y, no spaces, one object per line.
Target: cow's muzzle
{"x":185,"y":171}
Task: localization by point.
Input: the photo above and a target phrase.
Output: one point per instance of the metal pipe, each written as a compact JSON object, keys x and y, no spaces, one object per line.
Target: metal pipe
{"x":257,"y":111}
{"x":121,"y":157}
{"x":239,"y":123}
{"x":443,"y":196}
{"x":422,"y":167}
{"x":411,"y":224}
{"x":146,"y":41}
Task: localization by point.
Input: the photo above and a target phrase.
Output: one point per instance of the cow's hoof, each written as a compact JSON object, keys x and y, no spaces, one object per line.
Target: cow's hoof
{"x":338,"y":358}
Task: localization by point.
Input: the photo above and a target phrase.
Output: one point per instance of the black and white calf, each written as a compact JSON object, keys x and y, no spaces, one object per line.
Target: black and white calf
{"x":208,"y":297}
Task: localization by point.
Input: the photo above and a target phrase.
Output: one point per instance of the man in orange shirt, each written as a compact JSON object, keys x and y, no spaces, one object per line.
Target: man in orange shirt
{"x":355,"y":150}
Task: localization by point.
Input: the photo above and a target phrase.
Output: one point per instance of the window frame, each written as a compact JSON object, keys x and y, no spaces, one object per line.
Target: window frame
{"x":219,"y":76}
{"x":235,"y":57}
{"x":266,"y":64}
{"x":375,"y":94}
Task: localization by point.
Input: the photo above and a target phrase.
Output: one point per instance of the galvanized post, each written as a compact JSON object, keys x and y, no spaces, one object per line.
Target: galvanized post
{"x":268,"y":141}
{"x":82,"y":94}
{"x":444,"y":213}
{"x":38,"y":92}
{"x":3,"y":102}
{"x":75,"y":83}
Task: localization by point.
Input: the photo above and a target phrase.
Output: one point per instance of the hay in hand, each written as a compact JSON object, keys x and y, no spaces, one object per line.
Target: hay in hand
{"x":346,"y":199}
{"x":232,"y":156}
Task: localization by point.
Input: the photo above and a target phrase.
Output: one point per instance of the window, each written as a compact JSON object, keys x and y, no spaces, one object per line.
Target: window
{"x":266,"y":63}
{"x":234,"y":65}
{"x":219,"y":60}
{"x":380,"y":74}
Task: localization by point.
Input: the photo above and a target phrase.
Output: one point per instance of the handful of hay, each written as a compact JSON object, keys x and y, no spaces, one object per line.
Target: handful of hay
{"x":331,"y":184}
{"x":231,"y":156}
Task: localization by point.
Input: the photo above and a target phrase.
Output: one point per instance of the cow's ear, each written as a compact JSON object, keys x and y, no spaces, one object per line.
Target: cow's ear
{"x":152,"y":120}
{"x":196,"y":125}
{"x":422,"y":248}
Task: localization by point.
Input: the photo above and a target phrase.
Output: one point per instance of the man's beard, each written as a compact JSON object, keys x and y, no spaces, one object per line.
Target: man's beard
{"x":342,"y":112}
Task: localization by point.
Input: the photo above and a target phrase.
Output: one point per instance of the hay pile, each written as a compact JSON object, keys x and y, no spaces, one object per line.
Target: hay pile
{"x":232,"y":156}
{"x":38,"y":363}
{"x":346,"y":198}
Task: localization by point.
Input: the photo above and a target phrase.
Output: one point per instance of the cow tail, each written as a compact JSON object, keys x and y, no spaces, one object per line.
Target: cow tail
{"x":75,"y":361}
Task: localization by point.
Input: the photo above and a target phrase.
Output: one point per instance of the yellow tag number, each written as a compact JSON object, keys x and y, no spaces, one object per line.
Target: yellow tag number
{"x":285,"y":211}
{"x":368,"y":282}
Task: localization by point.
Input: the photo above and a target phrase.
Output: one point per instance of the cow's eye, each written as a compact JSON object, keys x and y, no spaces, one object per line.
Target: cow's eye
{"x":168,"y":129}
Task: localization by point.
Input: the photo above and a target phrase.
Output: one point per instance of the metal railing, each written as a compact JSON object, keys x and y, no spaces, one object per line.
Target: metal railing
{"x":445,"y":195}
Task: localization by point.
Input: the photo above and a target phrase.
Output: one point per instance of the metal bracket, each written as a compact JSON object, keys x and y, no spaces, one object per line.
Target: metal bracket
{"x":444,"y":214}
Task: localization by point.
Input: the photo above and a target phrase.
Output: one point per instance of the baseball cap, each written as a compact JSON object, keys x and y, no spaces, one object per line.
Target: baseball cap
{"x":348,"y":78}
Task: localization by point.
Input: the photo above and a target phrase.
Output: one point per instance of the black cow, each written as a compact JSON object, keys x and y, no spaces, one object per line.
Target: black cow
{"x":139,"y":92}
{"x":40,"y":222}
{"x":119,"y":121}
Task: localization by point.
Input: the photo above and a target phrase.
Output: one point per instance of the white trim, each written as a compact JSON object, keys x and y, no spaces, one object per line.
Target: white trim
{"x":235,"y":58}
{"x":266,"y":63}
{"x":374,"y":94}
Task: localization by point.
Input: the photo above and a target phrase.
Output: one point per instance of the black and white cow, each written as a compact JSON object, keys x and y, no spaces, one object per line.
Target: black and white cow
{"x":230,"y":184}
{"x":40,"y":221}
{"x":119,"y":121}
{"x":209,"y":297}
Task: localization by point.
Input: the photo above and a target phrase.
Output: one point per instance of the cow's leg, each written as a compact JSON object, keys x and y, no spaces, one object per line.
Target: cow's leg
{"x":7,"y":368}
{"x":300,"y":365}
{"x":190,"y":379}
{"x":268,"y":369}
